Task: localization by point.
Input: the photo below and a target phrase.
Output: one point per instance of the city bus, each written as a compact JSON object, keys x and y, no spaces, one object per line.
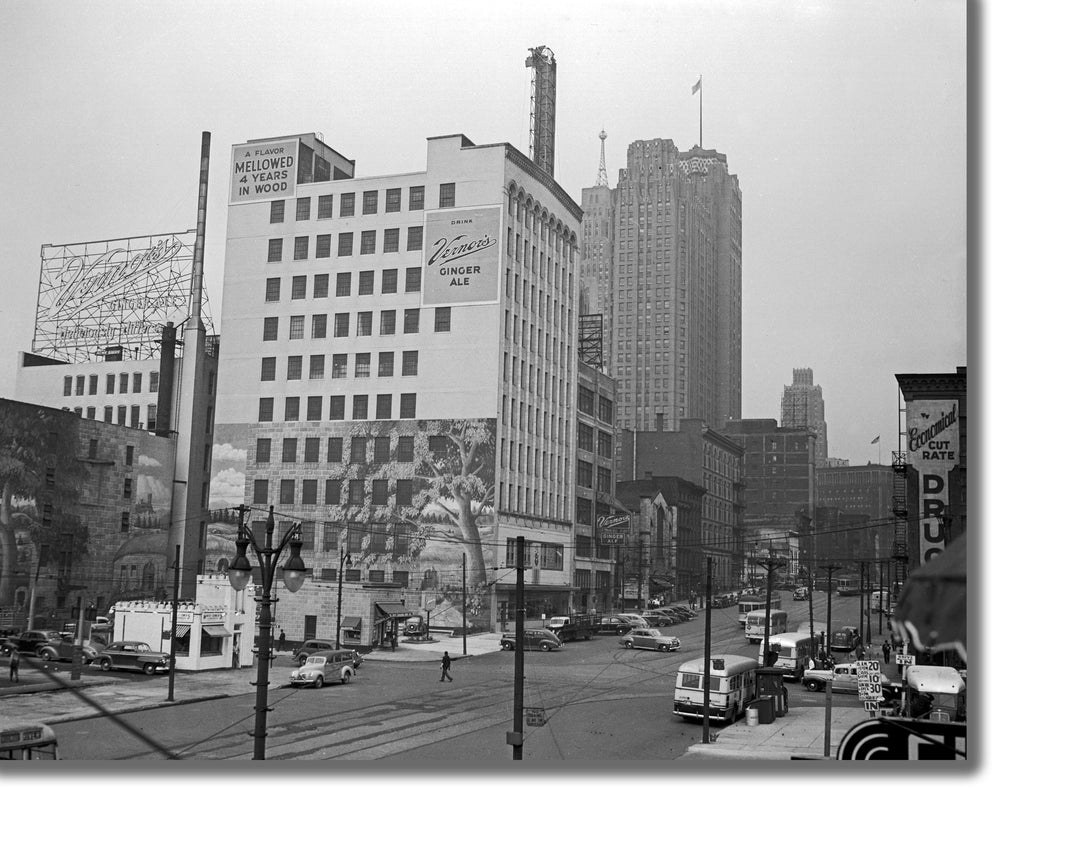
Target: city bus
{"x":755,"y":624}
{"x":752,"y":602}
{"x":731,"y":686}
{"x":793,"y":650}
{"x":27,"y":741}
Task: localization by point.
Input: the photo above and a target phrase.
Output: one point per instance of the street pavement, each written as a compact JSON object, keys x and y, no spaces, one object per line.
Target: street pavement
{"x":47,"y":694}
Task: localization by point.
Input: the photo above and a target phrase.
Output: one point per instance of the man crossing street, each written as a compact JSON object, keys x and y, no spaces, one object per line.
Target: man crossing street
{"x":446,"y":661}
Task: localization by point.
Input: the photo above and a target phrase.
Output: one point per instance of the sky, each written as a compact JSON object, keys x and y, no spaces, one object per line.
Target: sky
{"x":844,"y":121}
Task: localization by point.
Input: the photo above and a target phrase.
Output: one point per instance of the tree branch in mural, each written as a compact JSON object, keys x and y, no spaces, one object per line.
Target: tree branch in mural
{"x":39,"y":484}
{"x":428,"y":479}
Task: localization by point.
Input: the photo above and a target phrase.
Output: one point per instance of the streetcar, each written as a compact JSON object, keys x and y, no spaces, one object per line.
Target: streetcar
{"x":27,"y":741}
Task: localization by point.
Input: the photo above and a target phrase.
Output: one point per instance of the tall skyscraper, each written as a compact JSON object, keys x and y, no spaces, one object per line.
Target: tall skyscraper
{"x":803,"y":406}
{"x":668,"y":280}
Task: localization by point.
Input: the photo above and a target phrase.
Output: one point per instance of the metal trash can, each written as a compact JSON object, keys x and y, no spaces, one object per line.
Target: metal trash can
{"x":766,"y":714}
{"x":751,"y":714}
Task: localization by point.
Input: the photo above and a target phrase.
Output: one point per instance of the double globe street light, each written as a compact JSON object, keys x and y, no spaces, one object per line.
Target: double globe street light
{"x":293,"y":575}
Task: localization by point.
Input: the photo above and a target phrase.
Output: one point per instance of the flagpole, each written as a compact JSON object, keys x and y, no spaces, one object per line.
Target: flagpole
{"x":701,"y":115}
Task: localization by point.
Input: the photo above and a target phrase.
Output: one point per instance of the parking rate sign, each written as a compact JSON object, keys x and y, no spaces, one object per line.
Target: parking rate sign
{"x":869,"y":677}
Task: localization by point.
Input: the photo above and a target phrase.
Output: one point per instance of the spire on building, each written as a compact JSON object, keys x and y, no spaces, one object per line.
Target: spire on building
{"x":601,"y":175}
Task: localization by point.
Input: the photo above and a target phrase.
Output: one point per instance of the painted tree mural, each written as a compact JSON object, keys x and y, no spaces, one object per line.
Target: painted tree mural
{"x":39,"y":485}
{"x":405,"y":483}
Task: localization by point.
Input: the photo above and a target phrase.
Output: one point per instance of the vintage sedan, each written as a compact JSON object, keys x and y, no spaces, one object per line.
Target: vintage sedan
{"x":650,"y":638}
{"x":536,"y":639}
{"x":64,"y":649}
{"x":845,"y":679}
{"x":127,"y":654}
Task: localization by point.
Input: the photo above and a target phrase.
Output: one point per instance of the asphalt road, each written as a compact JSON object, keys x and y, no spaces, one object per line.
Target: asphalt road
{"x":600,"y":702}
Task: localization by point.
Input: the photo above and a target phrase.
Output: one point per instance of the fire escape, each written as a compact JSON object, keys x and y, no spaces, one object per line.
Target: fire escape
{"x":900,"y":517}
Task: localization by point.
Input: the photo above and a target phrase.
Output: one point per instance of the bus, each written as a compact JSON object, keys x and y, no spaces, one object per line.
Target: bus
{"x":755,"y":624}
{"x":27,"y":741}
{"x":752,"y":602}
{"x":879,"y":601}
{"x":731,"y":686}
{"x":793,"y":650}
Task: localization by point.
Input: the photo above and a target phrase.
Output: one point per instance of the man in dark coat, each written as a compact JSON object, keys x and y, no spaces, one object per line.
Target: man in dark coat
{"x":446,"y":661}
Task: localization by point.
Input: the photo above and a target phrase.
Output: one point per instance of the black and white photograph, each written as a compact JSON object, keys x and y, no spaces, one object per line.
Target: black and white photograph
{"x":416,"y":388}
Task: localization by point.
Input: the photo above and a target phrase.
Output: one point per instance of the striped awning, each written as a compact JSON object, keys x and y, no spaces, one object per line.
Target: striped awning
{"x":181,"y":631}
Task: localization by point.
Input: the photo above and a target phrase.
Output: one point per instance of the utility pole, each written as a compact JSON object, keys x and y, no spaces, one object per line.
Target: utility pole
{"x":464,"y":610}
{"x":76,"y":656}
{"x":640,"y":566}
{"x":828,"y":620}
{"x":345,"y":557}
{"x":771,"y":565}
{"x":862,"y":603}
{"x":881,"y":595}
{"x":707,"y":678}
{"x":175,"y":609}
{"x":516,"y":737}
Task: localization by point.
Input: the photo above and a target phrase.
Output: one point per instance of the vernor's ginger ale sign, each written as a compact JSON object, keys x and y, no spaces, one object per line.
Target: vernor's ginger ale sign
{"x":933,"y":444}
{"x":263,"y":171}
{"x":114,"y":292}
{"x":461,"y":256}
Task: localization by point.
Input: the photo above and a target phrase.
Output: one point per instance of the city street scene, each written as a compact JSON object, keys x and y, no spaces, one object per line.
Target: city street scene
{"x":452,"y":386}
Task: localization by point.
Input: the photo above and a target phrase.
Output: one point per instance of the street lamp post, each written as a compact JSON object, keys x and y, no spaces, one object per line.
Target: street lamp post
{"x":239,"y":575}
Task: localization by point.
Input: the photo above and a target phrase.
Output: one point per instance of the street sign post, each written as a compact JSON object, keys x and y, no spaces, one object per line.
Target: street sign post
{"x":905,"y":660}
{"x":535,"y":716}
{"x":869,"y":679}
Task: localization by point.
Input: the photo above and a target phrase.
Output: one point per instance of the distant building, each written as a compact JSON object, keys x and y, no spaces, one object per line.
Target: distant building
{"x":778,"y":472}
{"x":665,"y":557}
{"x":803,"y":406}
{"x":664,"y":266}
{"x":594,"y":483}
{"x":863,"y":491}
{"x":711,"y":460}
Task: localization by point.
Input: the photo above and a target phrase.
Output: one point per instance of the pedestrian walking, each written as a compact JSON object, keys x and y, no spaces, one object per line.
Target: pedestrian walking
{"x":13,"y":666}
{"x":886,"y":649}
{"x":281,"y":640}
{"x":236,"y":653}
{"x":446,"y":661}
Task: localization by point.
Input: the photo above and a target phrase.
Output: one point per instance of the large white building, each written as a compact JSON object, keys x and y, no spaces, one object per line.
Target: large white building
{"x":398,"y":366}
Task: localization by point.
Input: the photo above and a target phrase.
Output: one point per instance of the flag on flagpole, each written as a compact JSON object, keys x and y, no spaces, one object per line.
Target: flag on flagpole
{"x":697,"y":86}
{"x":875,"y":440}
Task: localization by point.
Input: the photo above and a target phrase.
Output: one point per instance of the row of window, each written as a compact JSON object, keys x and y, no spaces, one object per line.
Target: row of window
{"x":339,"y":365}
{"x":336,"y":408}
{"x":363,"y":324}
{"x":369,"y":203}
{"x":121,"y":415}
{"x":335,"y":491}
{"x":593,"y":405}
{"x":588,"y":437}
{"x":343,"y":284}
{"x":383,"y":449}
{"x":81,"y":384}
{"x":323,"y":244}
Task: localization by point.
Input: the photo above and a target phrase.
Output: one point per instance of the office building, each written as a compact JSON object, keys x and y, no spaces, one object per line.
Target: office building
{"x":673,"y":295}
{"x":400,"y":353}
{"x":803,"y":406}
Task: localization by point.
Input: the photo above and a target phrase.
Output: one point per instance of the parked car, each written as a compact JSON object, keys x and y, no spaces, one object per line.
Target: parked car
{"x":800,"y":593}
{"x":635,"y":619}
{"x":685,"y":608}
{"x":309,"y":647}
{"x":615,"y":624}
{"x":845,"y":678}
{"x":676,"y":613}
{"x":325,"y":666}
{"x":64,"y":649}
{"x":127,"y":654}
{"x":657,"y":620}
{"x":535,"y":639}
{"x":30,"y":642}
{"x":650,"y":638}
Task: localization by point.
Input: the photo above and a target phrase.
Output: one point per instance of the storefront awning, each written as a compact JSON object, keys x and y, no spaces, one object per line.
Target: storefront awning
{"x":181,"y":631}
{"x":216,"y":631}
{"x":350,"y":623}
{"x":663,"y":583}
{"x":392,"y":609}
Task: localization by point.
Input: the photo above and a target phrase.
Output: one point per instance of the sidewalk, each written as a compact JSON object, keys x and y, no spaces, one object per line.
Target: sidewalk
{"x":37,"y":698}
{"x":800,"y":734}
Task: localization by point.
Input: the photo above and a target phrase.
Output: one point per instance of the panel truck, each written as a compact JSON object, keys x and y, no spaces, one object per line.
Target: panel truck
{"x":574,"y":627}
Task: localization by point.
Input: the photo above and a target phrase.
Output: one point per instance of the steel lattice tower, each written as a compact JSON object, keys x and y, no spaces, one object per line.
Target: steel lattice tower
{"x":601,"y":175}
{"x":542,"y":136}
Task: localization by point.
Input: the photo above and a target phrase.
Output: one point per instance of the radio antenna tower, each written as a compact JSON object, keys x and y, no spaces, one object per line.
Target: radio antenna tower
{"x":601,"y":175}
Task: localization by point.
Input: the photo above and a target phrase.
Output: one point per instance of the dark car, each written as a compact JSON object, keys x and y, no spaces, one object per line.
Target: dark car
{"x":64,"y":649}
{"x":308,"y":647}
{"x":656,"y":619}
{"x":685,"y":608}
{"x":540,"y":639}
{"x":676,"y":613}
{"x":30,"y":642}
{"x":845,"y":639}
{"x":615,"y":624}
{"x":800,"y":593}
{"x":132,"y":654}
